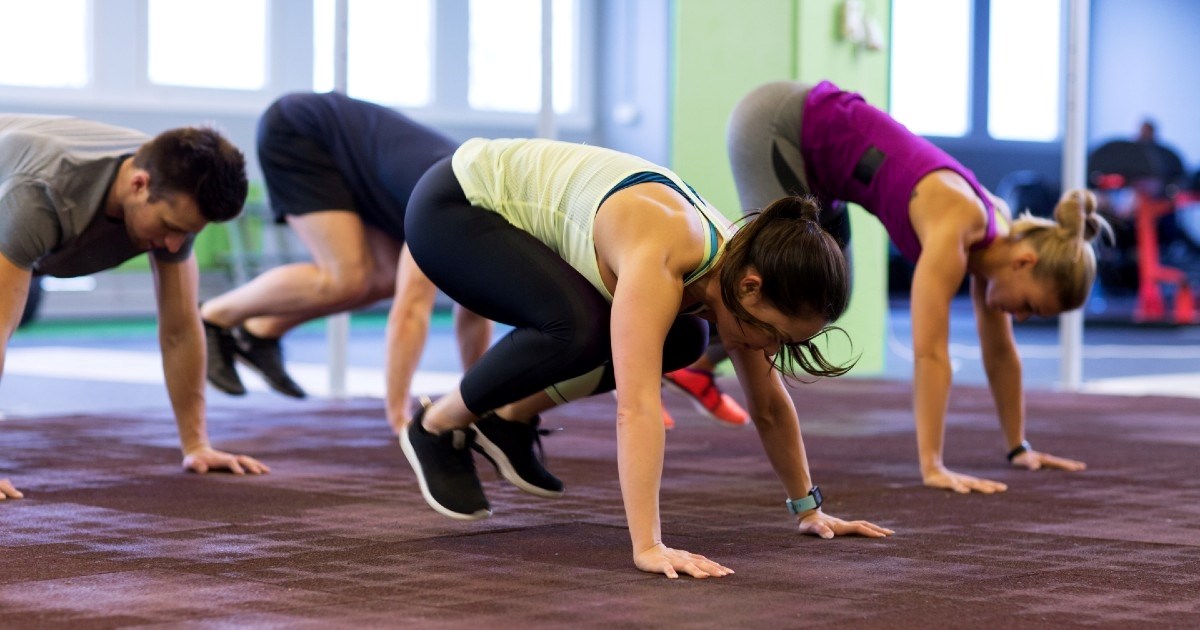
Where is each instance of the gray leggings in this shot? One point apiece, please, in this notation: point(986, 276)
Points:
point(764, 151)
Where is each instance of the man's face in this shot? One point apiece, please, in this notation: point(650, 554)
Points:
point(163, 222)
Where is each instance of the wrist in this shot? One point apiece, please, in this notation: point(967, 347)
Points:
point(192, 449)
point(1018, 450)
point(810, 502)
point(931, 465)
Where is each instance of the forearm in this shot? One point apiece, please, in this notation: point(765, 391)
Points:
point(931, 394)
point(782, 442)
point(407, 332)
point(183, 370)
point(640, 445)
point(474, 334)
point(1004, 378)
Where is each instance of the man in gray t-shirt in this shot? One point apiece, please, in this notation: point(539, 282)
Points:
point(77, 197)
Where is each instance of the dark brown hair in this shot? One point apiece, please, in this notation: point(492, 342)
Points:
point(199, 162)
point(804, 274)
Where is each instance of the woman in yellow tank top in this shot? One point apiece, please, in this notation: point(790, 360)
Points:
point(606, 266)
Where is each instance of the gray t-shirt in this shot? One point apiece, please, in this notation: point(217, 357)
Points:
point(55, 173)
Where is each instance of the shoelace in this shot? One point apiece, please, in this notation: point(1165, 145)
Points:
point(461, 441)
point(538, 432)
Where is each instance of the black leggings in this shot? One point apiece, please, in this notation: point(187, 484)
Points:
point(561, 322)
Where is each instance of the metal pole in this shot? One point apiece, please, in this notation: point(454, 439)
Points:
point(546, 127)
point(337, 326)
point(1074, 173)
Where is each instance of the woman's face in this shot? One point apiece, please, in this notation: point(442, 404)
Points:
point(1022, 295)
point(748, 336)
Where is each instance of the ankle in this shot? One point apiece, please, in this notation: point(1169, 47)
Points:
point(508, 413)
point(436, 421)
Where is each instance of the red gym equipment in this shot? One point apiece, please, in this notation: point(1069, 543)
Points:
point(1152, 173)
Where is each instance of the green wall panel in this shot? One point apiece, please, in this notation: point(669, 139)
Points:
point(724, 49)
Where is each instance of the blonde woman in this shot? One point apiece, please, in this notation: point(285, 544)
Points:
point(790, 138)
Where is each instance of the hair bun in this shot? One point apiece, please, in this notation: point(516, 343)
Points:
point(793, 207)
point(1077, 216)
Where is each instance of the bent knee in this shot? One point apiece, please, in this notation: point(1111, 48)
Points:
point(344, 286)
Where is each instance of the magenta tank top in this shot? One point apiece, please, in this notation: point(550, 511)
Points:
point(854, 152)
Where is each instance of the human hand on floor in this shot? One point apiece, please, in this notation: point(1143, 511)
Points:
point(7, 491)
point(207, 458)
point(827, 526)
point(1036, 460)
point(671, 562)
point(949, 480)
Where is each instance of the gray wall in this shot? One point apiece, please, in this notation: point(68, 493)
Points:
point(1143, 65)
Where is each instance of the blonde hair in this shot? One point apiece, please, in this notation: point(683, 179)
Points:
point(1063, 245)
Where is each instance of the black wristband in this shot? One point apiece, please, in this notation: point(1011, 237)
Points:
point(1018, 449)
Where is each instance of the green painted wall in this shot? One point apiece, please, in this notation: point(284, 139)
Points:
point(724, 49)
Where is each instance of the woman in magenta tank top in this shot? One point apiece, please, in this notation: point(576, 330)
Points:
point(791, 138)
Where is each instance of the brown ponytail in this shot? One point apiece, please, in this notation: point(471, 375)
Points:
point(804, 275)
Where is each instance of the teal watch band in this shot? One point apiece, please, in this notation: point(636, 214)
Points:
point(811, 501)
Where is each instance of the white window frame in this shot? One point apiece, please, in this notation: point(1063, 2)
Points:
point(118, 78)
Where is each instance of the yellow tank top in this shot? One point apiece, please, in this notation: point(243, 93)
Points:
point(553, 189)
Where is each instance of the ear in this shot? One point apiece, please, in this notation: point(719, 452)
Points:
point(1025, 258)
point(750, 285)
point(139, 181)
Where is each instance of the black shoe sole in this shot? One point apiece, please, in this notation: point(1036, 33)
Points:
point(226, 389)
point(411, 456)
point(298, 393)
point(496, 456)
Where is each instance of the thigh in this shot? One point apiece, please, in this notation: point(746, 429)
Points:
point(385, 255)
point(489, 266)
point(336, 239)
point(764, 144)
point(685, 343)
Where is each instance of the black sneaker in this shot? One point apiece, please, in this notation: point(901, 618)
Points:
point(509, 446)
point(445, 470)
point(221, 347)
point(265, 356)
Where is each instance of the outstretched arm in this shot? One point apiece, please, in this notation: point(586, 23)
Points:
point(181, 336)
point(647, 240)
point(407, 331)
point(775, 419)
point(644, 306)
point(939, 272)
point(1002, 364)
point(14, 290)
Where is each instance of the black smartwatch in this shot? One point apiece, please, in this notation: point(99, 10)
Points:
point(811, 501)
point(1018, 449)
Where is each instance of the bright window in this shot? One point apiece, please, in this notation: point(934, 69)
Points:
point(931, 60)
point(505, 65)
point(1024, 73)
point(389, 54)
point(211, 44)
point(44, 43)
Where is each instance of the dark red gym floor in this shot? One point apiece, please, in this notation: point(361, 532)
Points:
point(112, 533)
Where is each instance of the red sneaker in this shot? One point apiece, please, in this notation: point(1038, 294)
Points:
point(668, 421)
point(700, 386)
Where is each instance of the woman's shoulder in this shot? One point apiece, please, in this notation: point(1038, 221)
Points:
point(944, 202)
